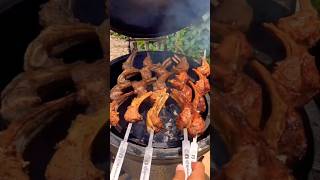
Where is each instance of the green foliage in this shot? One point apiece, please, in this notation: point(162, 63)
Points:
point(190, 41)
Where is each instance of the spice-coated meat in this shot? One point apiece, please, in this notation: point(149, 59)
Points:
point(153, 120)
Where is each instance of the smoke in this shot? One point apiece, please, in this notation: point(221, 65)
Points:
point(159, 15)
point(182, 13)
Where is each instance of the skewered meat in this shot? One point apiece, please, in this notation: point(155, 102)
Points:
point(146, 69)
point(24, 93)
point(129, 62)
point(180, 83)
point(202, 85)
point(167, 62)
point(162, 73)
point(114, 105)
point(182, 64)
point(198, 101)
point(240, 91)
point(254, 162)
point(159, 96)
point(128, 69)
point(160, 69)
point(153, 120)
point(57, 12)
point(297, 75)
point(14, 140)
point(197, 126)
point(78, 164)
point(40, 52)
point(233, 42)
point(132, 114)
point(161, 81)
point(204, 68)
point(243, 93)
point(251, 158)
point(303, 26)
point(127, 73)
point(118, 89)
point(140, 87)
point(284, 129)
point(189, 117)
point(34, 102)
point(90, 82)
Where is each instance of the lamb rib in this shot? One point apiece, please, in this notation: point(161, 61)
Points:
point(180, 83)
point(153, 120)
point(114, 105)
point(14, 140)
point(303, 26)
point(132, 114)
point(25, 91)
point(78, 164)
point(189, 117)
point(251, 157)
point(40, 50)
point(240, 91)
point(297, 75)
point(284, 129)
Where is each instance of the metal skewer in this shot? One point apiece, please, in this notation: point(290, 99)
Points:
point(116, 168)
point(145, 171)
point(194, 150)
point(186, 153)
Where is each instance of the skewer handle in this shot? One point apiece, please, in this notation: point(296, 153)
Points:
point(116, 168)
point(194, 150)
point(147, 159)
point(145, 171)
point(186, 154)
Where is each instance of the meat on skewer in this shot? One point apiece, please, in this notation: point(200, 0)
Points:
point(128, 69)
point(297, 75)
point(251, 157)
point(297, 81)
point(303, 26)
point(117, 91)
point(153, 120)
point(140, 87)
point(240, 91)
point(180, 83)
point(181, 77)
point(161, 81)
point(284, 129)
point(182, 64)
point(114, 105)
point(202, 85)
point(198, 101)
point(132, 114)
point(146, 72)
point(189, 117)
point(162, 74)
point(128, 73)
point(204, 68)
